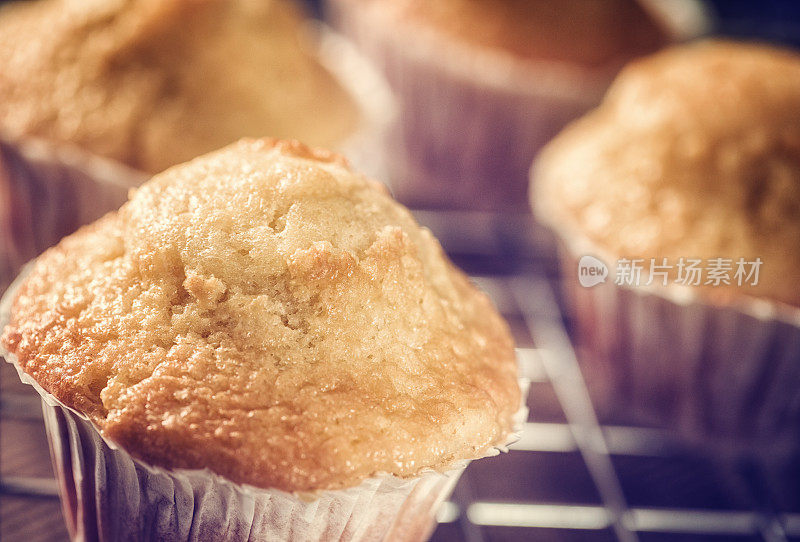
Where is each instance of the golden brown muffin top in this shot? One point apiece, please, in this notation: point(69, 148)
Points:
point(153, 83)
point(267, 313)
point(585, 32)
point(695, 152)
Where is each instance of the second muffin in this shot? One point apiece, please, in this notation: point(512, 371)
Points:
point(690, 172)
point(482, 85)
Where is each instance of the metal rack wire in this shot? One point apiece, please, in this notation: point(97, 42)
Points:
point(568, 478)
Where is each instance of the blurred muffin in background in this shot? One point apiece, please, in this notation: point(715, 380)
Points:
point(483, 84)
point(152, 83)
point(690, 170)
point(584, 33)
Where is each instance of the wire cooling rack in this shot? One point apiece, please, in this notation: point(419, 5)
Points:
point(567, 479)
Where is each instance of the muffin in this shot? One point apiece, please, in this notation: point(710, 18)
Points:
point(693, 156)
point(482, 85)
point(266, 334)
point(152, 84)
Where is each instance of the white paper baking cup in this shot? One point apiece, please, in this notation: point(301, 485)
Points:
point(472, 119)
point(721, 376)
point(109, 495)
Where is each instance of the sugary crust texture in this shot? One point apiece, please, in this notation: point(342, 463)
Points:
point(267, 313)
point(583, 32)
point(154, 83)
point(695, 152)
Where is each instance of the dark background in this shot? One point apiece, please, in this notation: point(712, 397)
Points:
point(776, 20)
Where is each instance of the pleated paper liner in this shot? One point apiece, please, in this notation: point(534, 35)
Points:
point(366, 148)
point(108, 495)
point(724, 377)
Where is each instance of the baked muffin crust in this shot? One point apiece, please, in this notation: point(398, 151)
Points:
point(154, 83)
point(267, 313)
point(695, 152)
point(583, 32)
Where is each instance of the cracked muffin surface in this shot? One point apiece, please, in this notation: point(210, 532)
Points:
point(267, 313)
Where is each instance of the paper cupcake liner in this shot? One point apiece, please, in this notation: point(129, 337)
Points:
point(47, 191)
point(109, 495)
point(723, 377)
point(472, 119)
